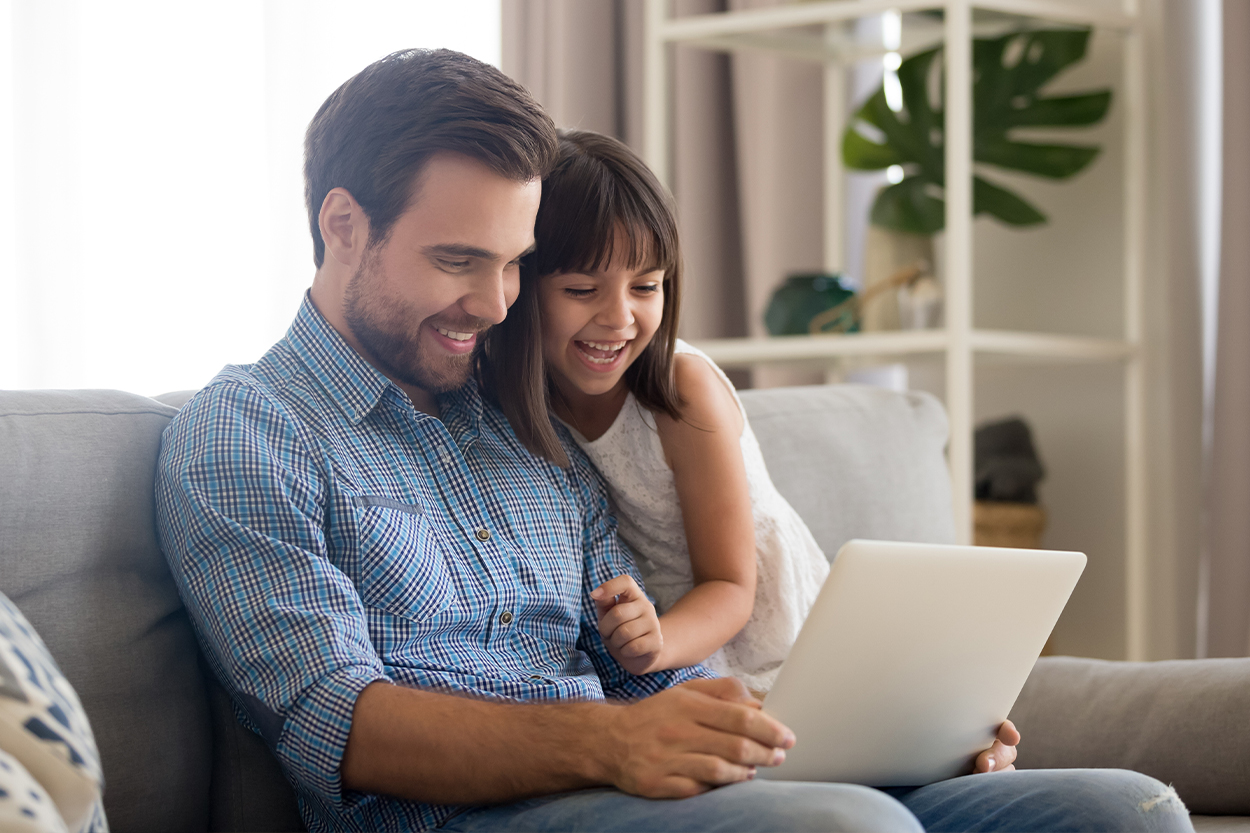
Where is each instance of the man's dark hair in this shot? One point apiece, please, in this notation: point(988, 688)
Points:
point(597, 188)
point(374, 134)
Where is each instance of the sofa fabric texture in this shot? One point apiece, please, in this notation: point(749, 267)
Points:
point(1185, 722)
point(857, 461)
point(78, 556)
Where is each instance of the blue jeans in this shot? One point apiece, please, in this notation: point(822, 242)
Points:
point(1033, 800)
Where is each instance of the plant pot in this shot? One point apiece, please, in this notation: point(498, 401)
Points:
point(800, 298)
point(886, 252)
point(1001, 524)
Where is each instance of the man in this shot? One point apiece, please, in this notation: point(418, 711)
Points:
point(394, 590)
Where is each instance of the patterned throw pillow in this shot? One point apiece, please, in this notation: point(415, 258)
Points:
point(43, 726)
point(25, 806)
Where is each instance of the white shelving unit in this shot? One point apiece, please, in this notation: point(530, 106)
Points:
point(774, 29)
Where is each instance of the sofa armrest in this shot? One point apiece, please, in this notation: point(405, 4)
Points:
point(1185, 722)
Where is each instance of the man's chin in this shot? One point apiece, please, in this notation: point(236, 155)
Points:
point(451, 375)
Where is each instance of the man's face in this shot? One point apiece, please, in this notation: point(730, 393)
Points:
point(448, 270)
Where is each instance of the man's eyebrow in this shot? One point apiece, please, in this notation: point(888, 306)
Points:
point(459, 250)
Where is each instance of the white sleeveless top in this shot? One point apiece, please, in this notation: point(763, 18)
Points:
point(790, 567)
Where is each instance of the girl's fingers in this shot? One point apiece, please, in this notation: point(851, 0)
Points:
point(631, 630)
point(626, 612)
point(623, 586)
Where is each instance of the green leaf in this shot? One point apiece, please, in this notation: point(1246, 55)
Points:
point(1020, 63)
point(907, 207)
point(1054, 161)
point(863, 154)
point(1009, 73)
point(1063, 111)
point(988, 198)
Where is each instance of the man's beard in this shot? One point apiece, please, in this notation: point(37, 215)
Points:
point(391, 336)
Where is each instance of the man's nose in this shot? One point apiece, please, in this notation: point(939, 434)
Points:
point(491, 296)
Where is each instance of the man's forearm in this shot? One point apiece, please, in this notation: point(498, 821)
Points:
point(444, 749)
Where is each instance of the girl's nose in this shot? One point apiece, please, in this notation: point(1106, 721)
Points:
point(616, 313)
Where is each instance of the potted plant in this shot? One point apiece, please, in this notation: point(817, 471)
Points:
point(1009, 73)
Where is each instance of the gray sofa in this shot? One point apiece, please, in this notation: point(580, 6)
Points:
point(78, 555)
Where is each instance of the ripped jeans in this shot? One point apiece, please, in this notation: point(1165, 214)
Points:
point(1048, 799)
point(1031, 800)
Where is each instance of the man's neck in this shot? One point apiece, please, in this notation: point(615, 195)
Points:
point(422, 399)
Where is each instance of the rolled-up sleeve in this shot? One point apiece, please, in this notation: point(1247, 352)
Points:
point(240, 500)
point(605, 557)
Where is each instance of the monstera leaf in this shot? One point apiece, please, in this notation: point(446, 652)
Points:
point(1008, 75)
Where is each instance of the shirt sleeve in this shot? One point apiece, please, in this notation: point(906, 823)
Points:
point(605, 557)
point(240, 515)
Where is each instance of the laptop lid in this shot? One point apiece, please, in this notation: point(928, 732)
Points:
point(912, 656)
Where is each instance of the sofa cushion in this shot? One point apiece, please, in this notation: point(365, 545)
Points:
point(43, 726)
point(1185, 722)
point(25, 806)
point(78, 555)
point(888, 452)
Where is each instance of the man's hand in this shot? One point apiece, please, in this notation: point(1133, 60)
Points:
point(628, 624)
point(691, 738)
point(1002, 755)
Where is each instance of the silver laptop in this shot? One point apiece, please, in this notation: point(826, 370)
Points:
point(911, 658)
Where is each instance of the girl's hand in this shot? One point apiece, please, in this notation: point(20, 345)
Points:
point(628, 624)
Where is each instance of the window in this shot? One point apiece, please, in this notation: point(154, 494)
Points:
point(152, 225)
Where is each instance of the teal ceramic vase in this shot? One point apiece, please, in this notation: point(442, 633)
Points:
point(802, 297)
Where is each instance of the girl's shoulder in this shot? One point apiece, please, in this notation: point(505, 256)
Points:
point(708, 400)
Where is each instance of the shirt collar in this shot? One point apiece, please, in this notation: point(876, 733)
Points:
point(354, 385)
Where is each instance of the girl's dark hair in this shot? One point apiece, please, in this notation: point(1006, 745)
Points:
point(597, 186)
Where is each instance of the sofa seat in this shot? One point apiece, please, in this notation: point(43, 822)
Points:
point(78, 555)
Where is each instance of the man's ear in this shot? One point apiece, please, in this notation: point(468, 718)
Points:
point(344, 227)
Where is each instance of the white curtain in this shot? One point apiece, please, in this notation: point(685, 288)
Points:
point(152, 225)
point(1224, 628)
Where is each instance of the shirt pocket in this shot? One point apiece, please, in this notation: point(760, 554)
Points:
point(402, 568)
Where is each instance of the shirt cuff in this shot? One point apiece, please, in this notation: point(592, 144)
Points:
point(314, 736)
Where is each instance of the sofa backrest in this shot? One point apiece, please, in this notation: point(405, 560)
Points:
point(857, 461)
point(78, 555)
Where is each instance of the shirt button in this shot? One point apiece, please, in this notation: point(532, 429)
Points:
point(483, 534)
point(506, 617)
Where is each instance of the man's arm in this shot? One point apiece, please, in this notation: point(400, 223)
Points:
point(439, 748)
point(240, 515)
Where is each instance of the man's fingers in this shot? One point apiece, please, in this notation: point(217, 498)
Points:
point(743, 721)
point(726, 688)
point(1008, 734)
point(714, 770)
point(998, 758)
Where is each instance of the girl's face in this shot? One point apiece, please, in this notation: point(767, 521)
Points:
point(596, 324)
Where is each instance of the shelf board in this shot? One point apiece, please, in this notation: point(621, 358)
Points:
point(747, 352)
point(715, 27)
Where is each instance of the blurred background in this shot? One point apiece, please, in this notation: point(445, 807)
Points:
point(152, 226)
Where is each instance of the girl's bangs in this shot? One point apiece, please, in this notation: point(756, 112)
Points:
point(584, 231)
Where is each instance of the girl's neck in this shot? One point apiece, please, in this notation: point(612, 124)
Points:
point(590, 414)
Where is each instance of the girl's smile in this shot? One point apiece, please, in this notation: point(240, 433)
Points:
point(596, 323)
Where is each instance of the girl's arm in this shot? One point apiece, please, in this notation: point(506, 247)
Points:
point(704, 451)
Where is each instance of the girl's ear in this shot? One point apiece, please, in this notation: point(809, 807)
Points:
point(344, 227)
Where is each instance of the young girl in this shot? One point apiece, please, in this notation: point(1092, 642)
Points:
point(732, 567)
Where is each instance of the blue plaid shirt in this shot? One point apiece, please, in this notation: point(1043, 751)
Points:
point(324, 534)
